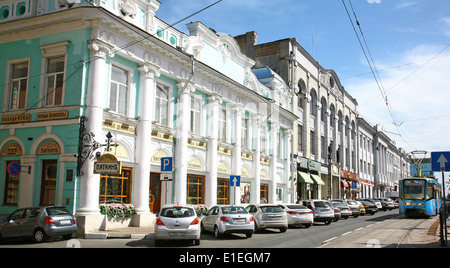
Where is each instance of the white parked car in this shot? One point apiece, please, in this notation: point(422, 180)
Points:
point(298, 215)
point(227, 219)
point(177, 222)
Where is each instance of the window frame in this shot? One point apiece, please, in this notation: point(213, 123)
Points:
point(8, 100)
point(129, 77)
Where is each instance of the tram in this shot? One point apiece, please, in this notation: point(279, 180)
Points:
point(420, 196)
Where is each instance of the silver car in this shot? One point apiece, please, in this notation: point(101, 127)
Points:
point(268, 216)
point(322, 211)
point(39, 223)
point(177, 222)
point(298, 215)
point(227, 219)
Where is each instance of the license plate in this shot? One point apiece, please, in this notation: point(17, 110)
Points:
point(238, 220)
point(176, 234)
point(65, 222)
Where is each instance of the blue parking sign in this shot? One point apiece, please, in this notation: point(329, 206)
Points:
point(166, 164)
point(440, 161)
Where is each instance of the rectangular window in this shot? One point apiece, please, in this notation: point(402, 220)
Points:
point(263, 138)
point(18, 86)
point(118, 90)
point(196, 108)
point(245, 133)
point(162, 105)
point(195, 189)
point(223, 191)
point(300, 138)
point(11, 195)
point(55, 81)
point(222, 124)
point(116, 188)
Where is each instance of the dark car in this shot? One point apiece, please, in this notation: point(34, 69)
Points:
point(370, 207)
point(38, 223)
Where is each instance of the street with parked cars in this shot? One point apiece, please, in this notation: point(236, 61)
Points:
point(183, 223)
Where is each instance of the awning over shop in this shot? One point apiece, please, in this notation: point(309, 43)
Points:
point(317, 179)
point(304, 177)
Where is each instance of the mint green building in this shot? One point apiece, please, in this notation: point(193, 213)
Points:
point(71, 68)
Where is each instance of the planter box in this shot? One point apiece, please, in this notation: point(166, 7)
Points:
point(115, 223)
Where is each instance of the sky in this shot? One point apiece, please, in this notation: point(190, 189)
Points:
point(407, 43)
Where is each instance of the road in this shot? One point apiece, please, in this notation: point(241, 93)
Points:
point(370, 228)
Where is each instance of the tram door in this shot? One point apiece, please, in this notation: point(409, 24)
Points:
point(155, 192)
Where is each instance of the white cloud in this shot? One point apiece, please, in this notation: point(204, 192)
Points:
point(374, 1)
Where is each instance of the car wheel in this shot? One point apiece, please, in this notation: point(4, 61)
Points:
point(249, 235)
point(39, 235)
point(197, 242)
point(283, 229)
point(217, 233)
point(328, 222)
point(307, 225)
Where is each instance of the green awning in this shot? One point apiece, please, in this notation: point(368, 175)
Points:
point(317, 179)
point(304, 177)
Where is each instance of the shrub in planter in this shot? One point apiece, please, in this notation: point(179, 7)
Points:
point(115, 210)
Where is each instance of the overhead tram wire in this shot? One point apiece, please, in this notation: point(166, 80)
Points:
point(373, 69)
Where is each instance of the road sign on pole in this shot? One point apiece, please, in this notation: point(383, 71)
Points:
point(235, 181)
point(166, 164)
point(440, 161)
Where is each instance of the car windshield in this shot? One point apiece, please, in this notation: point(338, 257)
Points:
point(351, 202)
point(234, 210)
point(177, 212)
point(271, 209)
point(55, 211)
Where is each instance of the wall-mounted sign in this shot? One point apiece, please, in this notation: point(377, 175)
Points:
point(12, 149)
point(13, 119)
point(49, 147)
point(107, 164)
point(52, 115)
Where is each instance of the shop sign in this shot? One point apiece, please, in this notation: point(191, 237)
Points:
point(13, 119)
point(310, 164)
point(12, 149)
point(52, 115)
point(107, 164)
point(49, 147)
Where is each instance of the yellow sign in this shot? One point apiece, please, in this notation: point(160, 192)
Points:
point(107, 164)
point(50, 147)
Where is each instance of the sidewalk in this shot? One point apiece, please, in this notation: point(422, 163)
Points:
point(123, 233)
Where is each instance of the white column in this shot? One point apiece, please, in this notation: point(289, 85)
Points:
point(182, 123)
point(90, 182)
point(235, 192)
point(143, 140)
point(273, 162)
point(212, 160)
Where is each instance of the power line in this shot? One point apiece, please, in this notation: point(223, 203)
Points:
point(373, 69)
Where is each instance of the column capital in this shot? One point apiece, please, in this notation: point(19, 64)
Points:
point(149, 70)
point(100, 49)
point(215, 98)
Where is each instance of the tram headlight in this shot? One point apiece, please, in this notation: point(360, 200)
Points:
point(421, 204)
point(407, 203)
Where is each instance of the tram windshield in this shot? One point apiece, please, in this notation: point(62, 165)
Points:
point(414, 189)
